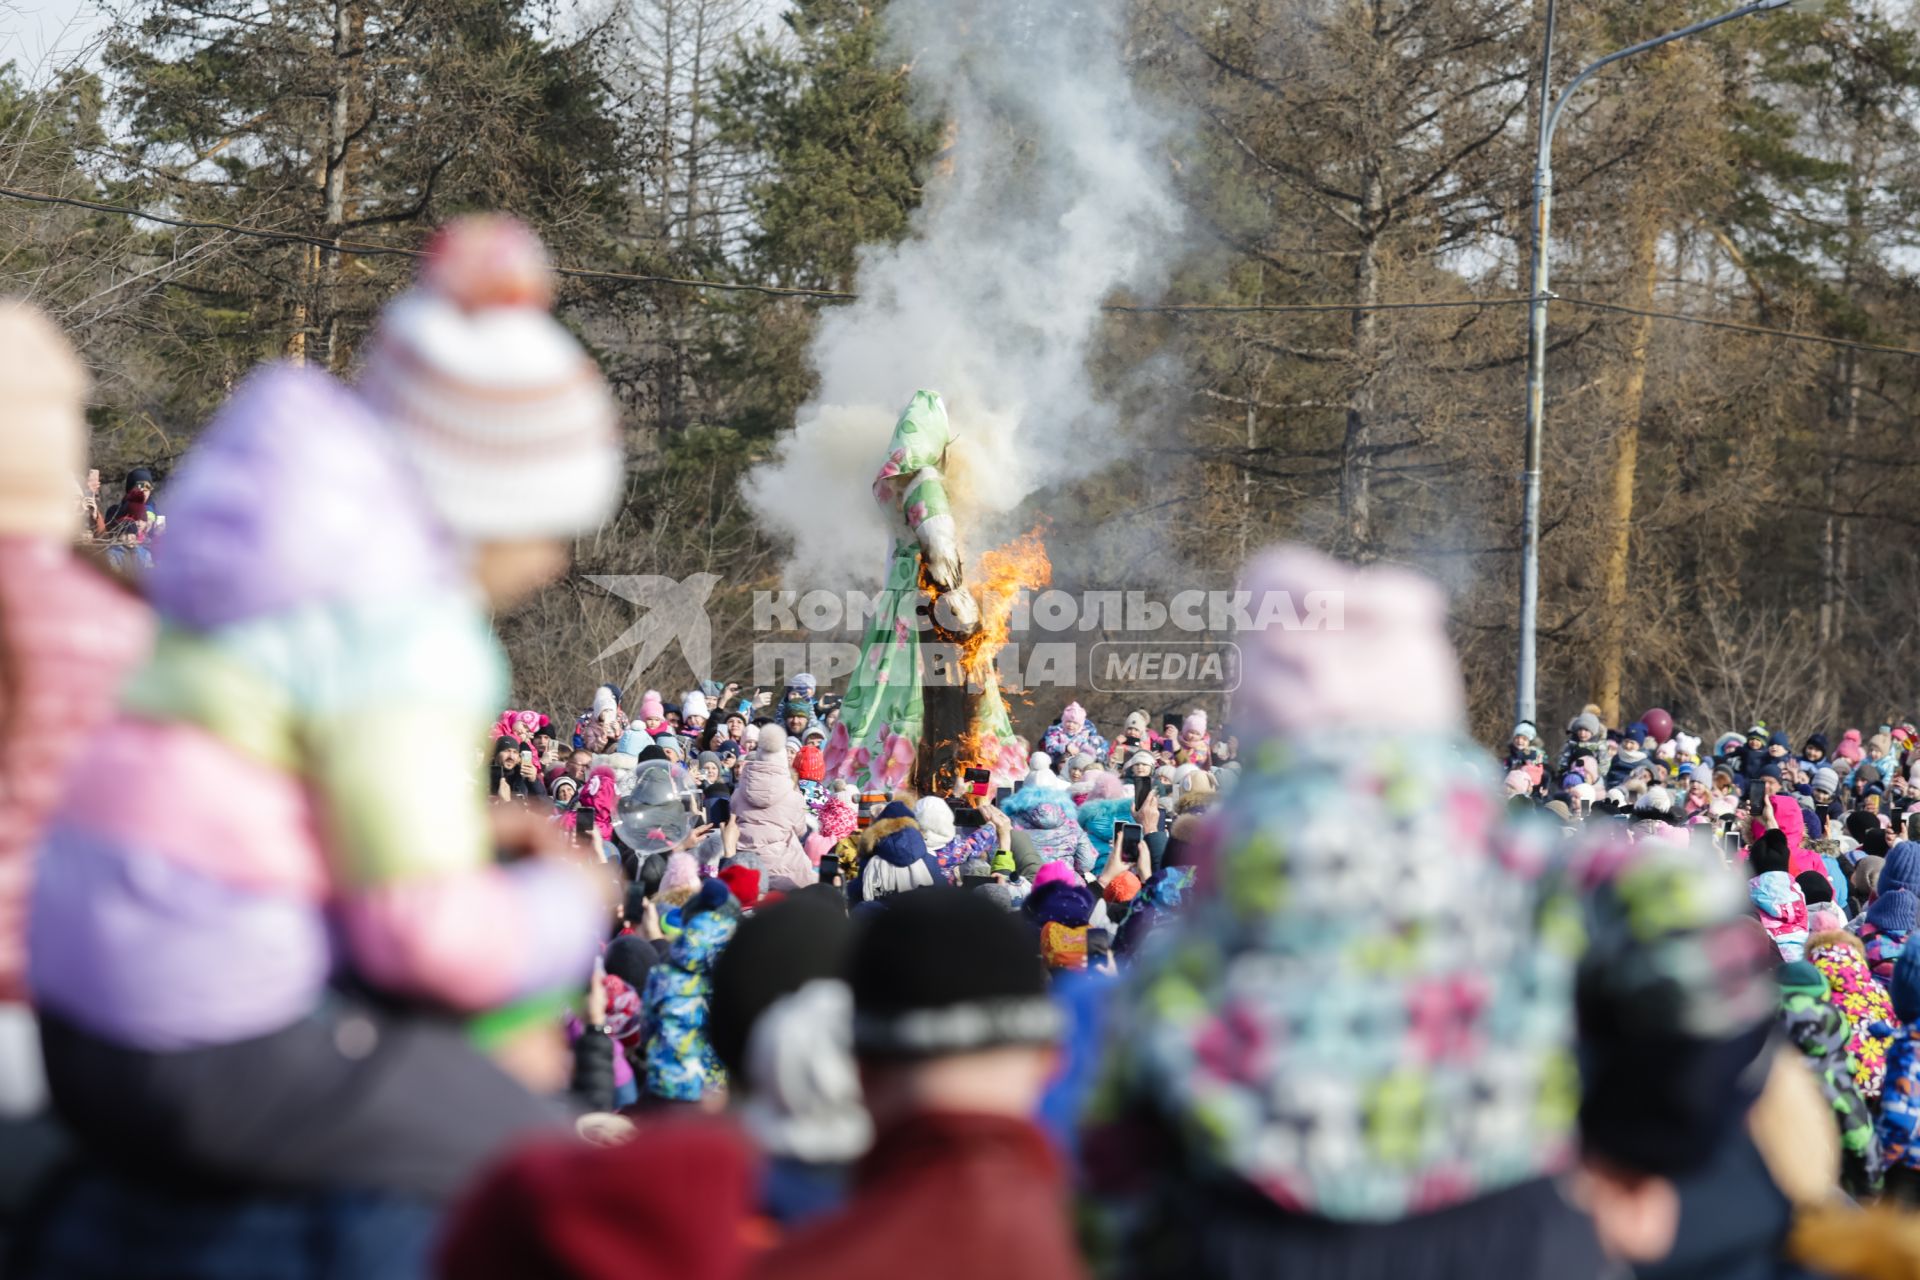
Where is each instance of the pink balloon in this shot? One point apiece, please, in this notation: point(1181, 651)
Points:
point(1658, 722)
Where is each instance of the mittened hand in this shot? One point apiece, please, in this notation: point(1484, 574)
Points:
point(958, 611)
point(940, 551)
point(943, 567)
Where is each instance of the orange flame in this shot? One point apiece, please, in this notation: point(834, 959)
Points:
point(997, 581)
point(1002, 573)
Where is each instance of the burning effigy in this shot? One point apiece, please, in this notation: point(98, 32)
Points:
point(924, 704)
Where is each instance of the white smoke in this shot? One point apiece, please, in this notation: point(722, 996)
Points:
point(1055, 192)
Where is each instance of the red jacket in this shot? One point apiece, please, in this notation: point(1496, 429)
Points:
point(943, 1196)
point(672, 1204)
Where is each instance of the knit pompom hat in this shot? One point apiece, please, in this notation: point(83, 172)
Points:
point(682, 873)
point(809, 765)
point(1369, 651)
point(837, 818)
point(772, 741)
point(694, 706)
point(1825, 917)
point(43, 434)
point(1196, 722)
point(506, 418)
point(1060, 872)
point(744, 883)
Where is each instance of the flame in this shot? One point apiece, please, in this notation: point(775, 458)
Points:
point(997, 581)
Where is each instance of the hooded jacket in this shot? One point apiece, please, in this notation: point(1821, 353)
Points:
point(1048, 817)
point(596, 730)
point(1629, 757)
point(251, 847)
point(1862, 1001)
point(1063, 741)
point(1820, 1032)
point(680, 1062)
point(1792, 822)
point(773, 819)
point(894, 859)
point(1783, 910)
point(601, 794)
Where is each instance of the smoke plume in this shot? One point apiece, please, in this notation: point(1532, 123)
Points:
point(1054, 193)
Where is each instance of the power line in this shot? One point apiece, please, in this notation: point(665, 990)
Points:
point(1735, 326)
point(364, 248)
point(1284, 308)
point(368, 249)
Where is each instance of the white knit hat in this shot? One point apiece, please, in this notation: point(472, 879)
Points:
point(42, 433)
point(693, 704)
point(508, 421)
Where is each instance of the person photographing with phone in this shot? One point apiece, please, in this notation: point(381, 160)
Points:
point(514, 775)
point(1768, 808)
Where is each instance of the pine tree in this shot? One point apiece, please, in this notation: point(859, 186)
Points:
point(842, 156)
point(363, 120)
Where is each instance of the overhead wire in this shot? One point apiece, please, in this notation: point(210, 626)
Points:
point(366, 248)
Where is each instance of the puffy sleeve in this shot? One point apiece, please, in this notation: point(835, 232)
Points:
point(409, 848)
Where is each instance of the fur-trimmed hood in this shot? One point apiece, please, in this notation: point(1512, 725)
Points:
point(895, 840)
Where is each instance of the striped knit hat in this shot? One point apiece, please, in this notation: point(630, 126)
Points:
point(42, 389)
point(507, 419)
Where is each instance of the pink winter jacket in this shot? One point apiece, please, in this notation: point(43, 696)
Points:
point(1793, 825)
point(773, 819)
point(71, 636)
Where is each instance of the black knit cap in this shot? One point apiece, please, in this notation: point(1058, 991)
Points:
point(942, 971)
point(1814, 887)
point(630, 958)
point(1770, 852)
point(774, 953)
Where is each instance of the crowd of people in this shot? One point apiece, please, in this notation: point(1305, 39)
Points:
point(306, 971)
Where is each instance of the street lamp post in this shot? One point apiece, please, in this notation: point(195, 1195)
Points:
point(1525, 708)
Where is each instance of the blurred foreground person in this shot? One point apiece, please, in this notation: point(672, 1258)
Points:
point(956, 1039)
point(684, 1198)
point(67, 636)
point(251, 951)
point(1305, 1088)
point(782, 1025)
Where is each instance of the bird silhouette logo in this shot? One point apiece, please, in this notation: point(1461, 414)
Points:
point(676, 613)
